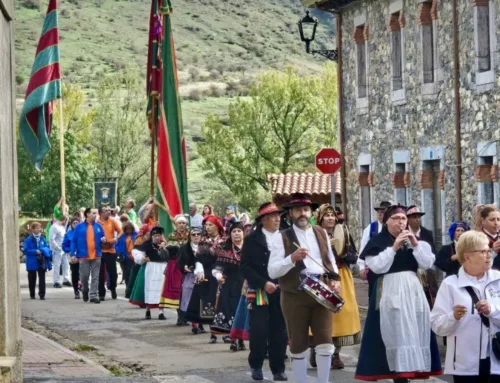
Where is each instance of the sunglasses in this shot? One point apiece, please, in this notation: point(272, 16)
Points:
point(195, 234)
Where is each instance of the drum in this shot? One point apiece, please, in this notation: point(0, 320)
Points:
point(341, 235)
point(321, 293)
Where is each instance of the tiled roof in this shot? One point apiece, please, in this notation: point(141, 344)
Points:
point(311, 183)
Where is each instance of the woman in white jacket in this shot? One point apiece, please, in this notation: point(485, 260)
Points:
point(456, 313)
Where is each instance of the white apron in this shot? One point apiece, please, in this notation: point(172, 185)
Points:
point(405, 323)
point(153, 284)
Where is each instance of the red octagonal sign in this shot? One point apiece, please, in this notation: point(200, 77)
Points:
point(328, 161)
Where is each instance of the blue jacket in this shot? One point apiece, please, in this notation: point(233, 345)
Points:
point(32, 258)
point(78, 246)
point(121, 246)
point(68, 238)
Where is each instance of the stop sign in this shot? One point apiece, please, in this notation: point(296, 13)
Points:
point(328, 161)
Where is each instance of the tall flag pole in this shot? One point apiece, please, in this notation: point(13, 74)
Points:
point(154, 79)
point(171, 195)
point(35, 123)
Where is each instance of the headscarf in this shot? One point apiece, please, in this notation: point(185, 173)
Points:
point(216, 221)
point(324, 210)
point(180, 218)
point(393, 210)
point(454, 226)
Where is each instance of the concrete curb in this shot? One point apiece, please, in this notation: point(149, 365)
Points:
point(70, 352)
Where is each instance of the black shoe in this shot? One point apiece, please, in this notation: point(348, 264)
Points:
point(85, 297)
point(57, 286)
point(113, 294)
point(148, 314)
point(233, 347)
point(77, 296)
point(67, 284)
point(257, 374)
point(95, 300)
point(102, 299)
point(213, 339)
point(312, 358)
point(42, 298)
point(226, 339)
point(162, 317)
point(195, 330)
point(280, 377)
point(202, 329)
point(241, 345)
point(32, 297)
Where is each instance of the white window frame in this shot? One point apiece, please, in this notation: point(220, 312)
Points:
point(362, 103)
point(487, 149)
point(430, 90)
point(485, 81)
point(398, 97)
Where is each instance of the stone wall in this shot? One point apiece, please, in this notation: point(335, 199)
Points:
point(420, 121)
point(10, 315)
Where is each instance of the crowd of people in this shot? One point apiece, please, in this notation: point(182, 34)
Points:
point(240, 281)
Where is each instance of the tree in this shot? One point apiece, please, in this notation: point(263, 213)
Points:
point(120, 134)
point(40, 191)
point(278, 130)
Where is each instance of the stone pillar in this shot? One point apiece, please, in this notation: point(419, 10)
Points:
point(10, 311)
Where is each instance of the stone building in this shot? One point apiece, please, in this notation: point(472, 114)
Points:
point(398, 98)
point(10, 314)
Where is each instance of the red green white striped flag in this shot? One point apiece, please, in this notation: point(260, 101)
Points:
point(35, 122)
point(172, 191)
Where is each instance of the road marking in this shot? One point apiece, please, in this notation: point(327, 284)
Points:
point(181, 379)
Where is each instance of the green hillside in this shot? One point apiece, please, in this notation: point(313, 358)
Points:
point(221, 45)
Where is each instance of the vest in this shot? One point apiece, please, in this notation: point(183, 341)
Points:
point(290, 282)
point(373, 229)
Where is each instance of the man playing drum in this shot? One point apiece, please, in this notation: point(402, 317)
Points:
point(299, 252)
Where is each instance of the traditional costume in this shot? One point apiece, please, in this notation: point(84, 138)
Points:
point(300, 310)
point(148, 285)
point(346, 324)
point(267, 325)
point(227, 272)
point(241, 323)
point(187, 260)
point(443, 259)
point(201, 307)
point(172, 285)
point(142, 236)
point(397, 340)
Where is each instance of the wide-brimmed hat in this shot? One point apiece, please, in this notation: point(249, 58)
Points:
point(300, 199)
point(383, 205)
point(413, 210)
point(267, 209)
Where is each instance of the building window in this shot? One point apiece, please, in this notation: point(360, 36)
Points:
point(427, 13)
point(365, 194)
point(399, 183)
point(395, 27)
point(360, 37)
point(485, 41)
point(484, 178)
point(361, 57)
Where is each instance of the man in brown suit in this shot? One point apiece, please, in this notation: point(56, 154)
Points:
point(297, 252)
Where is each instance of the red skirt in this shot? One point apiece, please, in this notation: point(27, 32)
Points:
point(172, 286)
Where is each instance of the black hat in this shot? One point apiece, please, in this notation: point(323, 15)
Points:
point(300, 199)
point(383, 205)
point(157, 230)
point(236, 225)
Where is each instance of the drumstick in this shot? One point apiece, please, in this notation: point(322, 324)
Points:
point(312, 259)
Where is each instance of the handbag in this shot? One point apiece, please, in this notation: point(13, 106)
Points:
point(495, 339)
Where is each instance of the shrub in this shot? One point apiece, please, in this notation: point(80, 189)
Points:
point(31, 4)
point(19, 79)
point(195, 95)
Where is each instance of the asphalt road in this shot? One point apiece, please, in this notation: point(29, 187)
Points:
point(144, 350)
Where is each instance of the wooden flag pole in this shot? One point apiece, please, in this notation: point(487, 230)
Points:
point(61, 148)
point(153, 144)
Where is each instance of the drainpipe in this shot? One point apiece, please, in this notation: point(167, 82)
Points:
point(458, 137)
point(340, 116)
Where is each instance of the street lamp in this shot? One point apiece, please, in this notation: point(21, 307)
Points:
point(307, 29)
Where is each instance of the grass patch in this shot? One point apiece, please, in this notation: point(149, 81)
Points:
point(83, 348)
point(117, 371)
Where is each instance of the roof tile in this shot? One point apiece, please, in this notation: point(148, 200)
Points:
point(310, 183)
